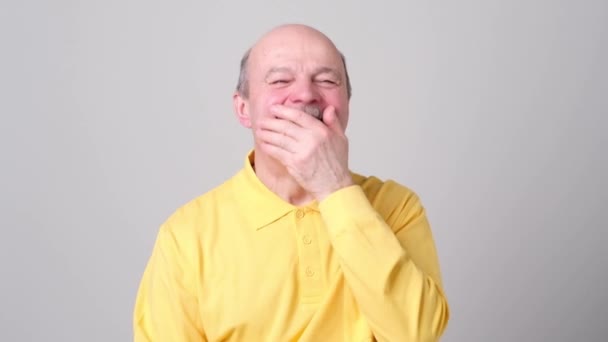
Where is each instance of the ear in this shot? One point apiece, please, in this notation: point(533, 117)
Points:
point(241, 109)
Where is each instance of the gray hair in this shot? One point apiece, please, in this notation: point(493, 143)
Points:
point(242, 85)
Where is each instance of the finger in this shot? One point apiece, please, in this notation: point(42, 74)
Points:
point(276, 152)
point(286, 127)
point(294, 115)
point(330, 118)
point(279, 140)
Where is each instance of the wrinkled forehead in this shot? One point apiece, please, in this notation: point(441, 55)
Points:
point(296, 49)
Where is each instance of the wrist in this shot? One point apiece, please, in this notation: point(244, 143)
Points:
point(346, 181)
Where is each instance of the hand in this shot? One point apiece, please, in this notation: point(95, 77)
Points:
point(314, 153)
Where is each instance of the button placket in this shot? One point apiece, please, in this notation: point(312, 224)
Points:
point(309, 255)
point(300, 214)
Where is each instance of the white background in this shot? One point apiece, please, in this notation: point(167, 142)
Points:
point(115, 113)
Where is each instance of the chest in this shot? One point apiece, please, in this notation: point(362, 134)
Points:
point(256, 280)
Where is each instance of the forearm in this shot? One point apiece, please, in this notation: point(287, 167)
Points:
point(399, 299)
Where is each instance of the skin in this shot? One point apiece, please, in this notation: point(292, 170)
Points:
point(293, 71)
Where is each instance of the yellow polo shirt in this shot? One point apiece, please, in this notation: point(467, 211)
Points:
point(240, 264)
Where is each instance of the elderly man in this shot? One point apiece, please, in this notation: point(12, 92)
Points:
point(295, 246)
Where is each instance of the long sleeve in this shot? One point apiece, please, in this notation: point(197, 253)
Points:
point(166, 307)
point(391, 269)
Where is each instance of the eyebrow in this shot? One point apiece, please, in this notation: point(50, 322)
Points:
point(320, 70)
point(277, 70)
point(327, 70)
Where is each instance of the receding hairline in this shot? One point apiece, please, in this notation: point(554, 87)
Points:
point(287, 32)
point(243, 82)
point(294, 28)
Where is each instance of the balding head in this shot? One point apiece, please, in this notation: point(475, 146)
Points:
point(282, 36)
point(295, 66)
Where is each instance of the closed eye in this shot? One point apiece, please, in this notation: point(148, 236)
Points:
point(279, 82)
point(327, 82)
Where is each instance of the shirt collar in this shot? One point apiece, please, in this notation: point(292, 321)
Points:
point(260, 205)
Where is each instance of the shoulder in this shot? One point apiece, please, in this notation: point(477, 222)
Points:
point(377, 189)
point(394, 201)
point(190, 217)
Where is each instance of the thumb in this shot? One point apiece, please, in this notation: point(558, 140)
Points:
point(330, 118)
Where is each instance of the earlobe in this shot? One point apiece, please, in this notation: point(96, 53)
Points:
point(241, 109)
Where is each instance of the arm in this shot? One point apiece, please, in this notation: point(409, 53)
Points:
point(393, 275)
point(166, 307)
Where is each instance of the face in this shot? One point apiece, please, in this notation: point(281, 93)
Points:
point(296, 68)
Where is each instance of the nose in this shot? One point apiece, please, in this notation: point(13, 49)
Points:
point(304, 92)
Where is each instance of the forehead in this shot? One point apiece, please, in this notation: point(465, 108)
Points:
point(294, 50)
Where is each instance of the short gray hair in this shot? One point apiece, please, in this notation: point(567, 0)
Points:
point(242, 86)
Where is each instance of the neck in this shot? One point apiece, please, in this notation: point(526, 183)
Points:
point(276, 178)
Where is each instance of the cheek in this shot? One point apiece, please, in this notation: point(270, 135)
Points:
point(278, 96)
point(264, 103)
point(338, 101)
point(261, 107)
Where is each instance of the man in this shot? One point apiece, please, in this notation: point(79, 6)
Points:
point(294, 247)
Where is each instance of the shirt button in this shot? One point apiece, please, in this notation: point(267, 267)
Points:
point(309, 272)
point(299, 214)
point(306, 239)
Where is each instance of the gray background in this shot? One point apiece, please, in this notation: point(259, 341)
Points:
point(114, 113)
